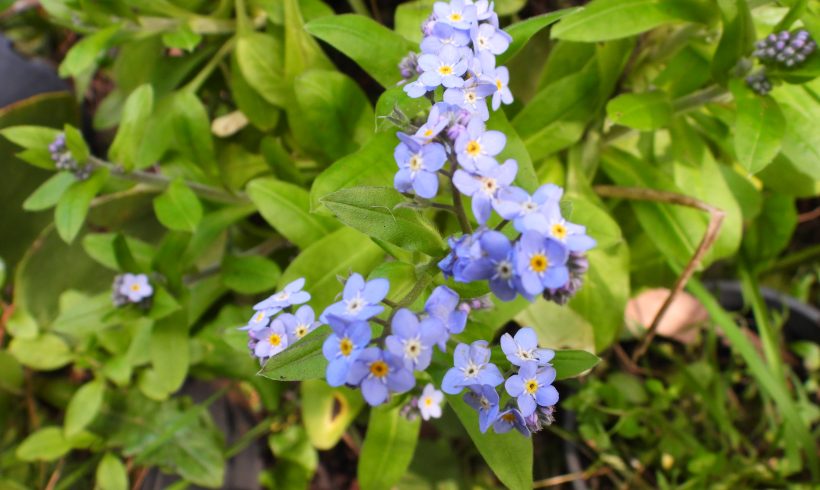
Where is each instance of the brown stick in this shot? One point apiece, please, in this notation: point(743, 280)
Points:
point(569, 477)
point(715, 221)
point(55, 477)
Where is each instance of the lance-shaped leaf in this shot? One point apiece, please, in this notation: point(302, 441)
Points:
point(301, 361)
point(388, 448)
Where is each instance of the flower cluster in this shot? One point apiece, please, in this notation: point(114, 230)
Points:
point(547, 258)
point(530, 386)
point(63, 160)
point(759, 82)
point(132, 289)
point(273, 328)
point(785, 48)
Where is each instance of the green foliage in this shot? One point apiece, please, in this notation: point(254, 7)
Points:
point(388, 448)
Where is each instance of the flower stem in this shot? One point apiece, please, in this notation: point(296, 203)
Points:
point(458, 205)
point(206, 71)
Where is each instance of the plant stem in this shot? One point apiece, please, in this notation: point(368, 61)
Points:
point(768, 337)
point(248, 437)
point(200, 78)
point(458, 205)
point(159, 181)
point(500, 226)
point(699, 98)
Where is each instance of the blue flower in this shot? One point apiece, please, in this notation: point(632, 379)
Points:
point(342, 347)
point(135, 287)
point(502, 92)
point(496, 265)
point(458, 13)
point(443, 306)
point(444, 68)
point(418, 165)
point(291, 295)
point(412, 340)
point(484, 184)
point(260, 319)
point(430, 402)
point(484, 399)
point(471, 97)
point(416, 89)
point(484, 11)
point(478, 145)
point(532, 387)
point(379, 373)
point(437, 120)
point(299, 324)
point(523, 348)
point(360, 299)
point(271, 340)
point(444, 35)
point(528, 213)
point(540, 263)
point(486, 37)
point(573, 236)
point(464, 250)
point(511, 419)
point(472, 367)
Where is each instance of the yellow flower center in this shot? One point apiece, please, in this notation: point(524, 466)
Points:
point(259, 317)
point(508, 417)
point(539, 262)
point(498, 84)
point(428, 133)
point(559, 231)
point(415, 163)
point(428, 401)
point(135, 287)
point(473, 148)
point(455, 16)
point(345, 346)
point(531, 386)
point(275, 339)
point(379, 369)
point(445, 70)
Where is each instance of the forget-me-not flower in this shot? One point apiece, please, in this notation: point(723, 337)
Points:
point(443, 306)
point(412, 340)
point(502, 93)
point(484, 184)
point(532, 387)
point(524, 348)
point(360, 299)
point(472, 367)
point(458, 13)
point(271, 340)
point(343, 346)
point(291, 295)
point(444, 68)
point(509, 419)
point(444, 35)
point(300, 323)
point(540, 263)
point(429, 402)
point(496, 265)
point(484, 399)
point(486, 37)
point(418, 165)
point(476, 144)
point(135, 287)
point(379, 373)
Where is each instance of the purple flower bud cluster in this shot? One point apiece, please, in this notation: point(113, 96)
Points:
point(132, 289)
point(759, 83)
point(530, 383)
point(548, 257)
point(270, 331)
point(63, 160)
point(785, 48)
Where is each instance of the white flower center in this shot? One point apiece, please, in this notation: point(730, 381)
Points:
point(415, 162)
point(527, 355)
point(470, 97)
point(355, 305)
point(482, 41)
point(528, 207)
point(489, 185)
point(412, 348)
point(504, 269)
point(282, 296)
point(484, 402)
point(471, 370)
point(300, 330)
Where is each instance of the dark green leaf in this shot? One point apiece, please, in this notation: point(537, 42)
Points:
point(300, 361)
point(259, 111)
point(287, 208)
point(387, 449)
point(72, 207)
point(737, 38)
point(31, 137)
point(377, 211)
point(76, 144)
point(169, 352)
point(377, 49)
point(178, 207)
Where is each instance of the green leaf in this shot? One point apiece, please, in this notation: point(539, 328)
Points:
point(302, 52)
point(83, 55)
point(339, 253)
point(31, 137)
point(516, 150)
point(331, 116)
point(644, 111)
point(378, 212)
point(111, 474)
point(409, 18)
point(327, 412)
point(101, 247)
point(801, 141)
point(11, 374)
point(72, 207)
point(83, 407)
point(47, 444)
point(259, 111)
point(183, 37)
point(377, 49)
point(602, 20)
point(571, 363)
point(178, 207)
point(522, 31)
point(251, 274)
point(286, 207)
point(301, 361)
point(76, 144)
point(49, 192)
point(190, 131)
point(387, 449)
point(508, 455)
point(737, 39)
point(169, 352)
point(372, 165)
point(259, 58)
point(127, 148)
point(766, 237)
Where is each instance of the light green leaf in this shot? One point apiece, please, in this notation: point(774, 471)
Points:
point(251, 274)
point(31, 137)
point(516, 150)
point(183, 37)
point(387, 449)
point(339, 253)
point(508, 455)
point(522, 31)
point(49, 192)
point(101, 248)
point(76, 144)
point(259, 111)
point(372, 165)
point(169, 352)
point(178, 208)
point(47, 444)
point(287, 208)
point(643, 111)
point(83, 407)
point(801, 141)
point(190, 131)
point(377, 212)
point(377, 49)
point(602, 20)
point(302, 52)
point(409, 18)
point(128, 146)
point(301, 361)
point(72, 207)
point(111, 474)
point(571, 363)
point(327, 412)
point(737, 38)
point(259, 58)
point(83, 55)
